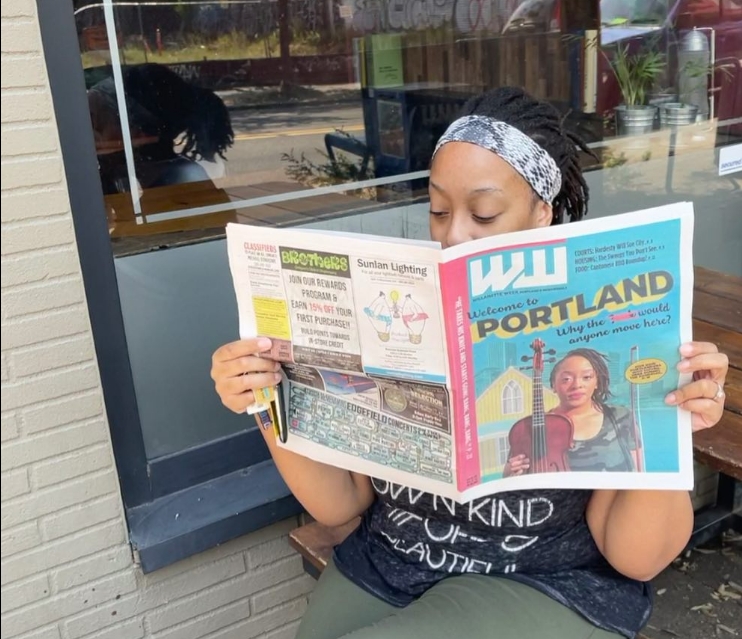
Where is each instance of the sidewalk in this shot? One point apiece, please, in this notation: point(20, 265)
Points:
point(700, 595)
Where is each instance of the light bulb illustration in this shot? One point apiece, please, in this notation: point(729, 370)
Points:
point(380, 316)
point(394, 297)
point(414, 318)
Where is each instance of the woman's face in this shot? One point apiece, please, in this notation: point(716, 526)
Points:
point(575, 382)
point(474, 194)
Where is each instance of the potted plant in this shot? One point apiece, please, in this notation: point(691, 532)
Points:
point(636, 74)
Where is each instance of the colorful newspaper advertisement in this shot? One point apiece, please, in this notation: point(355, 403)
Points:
point(537, 359)
point(360, 333)
point(566, 344)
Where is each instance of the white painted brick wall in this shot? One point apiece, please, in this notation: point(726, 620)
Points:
point(67, 569)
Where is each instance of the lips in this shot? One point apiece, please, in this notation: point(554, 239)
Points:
point(576, 396)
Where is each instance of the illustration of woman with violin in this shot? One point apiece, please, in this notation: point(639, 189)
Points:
point(592, 434)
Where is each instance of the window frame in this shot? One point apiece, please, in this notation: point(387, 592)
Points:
point(243, 487)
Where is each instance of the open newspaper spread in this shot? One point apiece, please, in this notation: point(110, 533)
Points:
point(433, 368)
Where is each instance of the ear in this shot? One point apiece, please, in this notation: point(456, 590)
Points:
point(542, 213)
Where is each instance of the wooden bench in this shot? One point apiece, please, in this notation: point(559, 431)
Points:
point(717, 317)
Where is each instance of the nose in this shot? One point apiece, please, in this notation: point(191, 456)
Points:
point(458, 230)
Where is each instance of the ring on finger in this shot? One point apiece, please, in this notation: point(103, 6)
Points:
point(719, 392)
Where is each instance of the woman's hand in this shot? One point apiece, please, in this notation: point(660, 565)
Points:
point(237, 370)
point(516, 466)
point(704, 396)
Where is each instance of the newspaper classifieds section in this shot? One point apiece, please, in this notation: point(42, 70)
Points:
point(395, 424)
point(399, 317)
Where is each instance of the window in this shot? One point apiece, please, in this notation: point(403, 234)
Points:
point(179, 116)
point(512, 398)
point(503, 449)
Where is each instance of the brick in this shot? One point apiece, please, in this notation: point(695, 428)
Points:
point(94, 567)
point(50, 632)
point(23, 106)
point(108, 616)
point(46, 296)
point(99, 511)
point(205, 576)
point(61, 412)
point(19, 37)
point(266, 599)
point(48, 556)
point(22, 72)
point(285, 632)
point(9, 428)
point(132, 629)
point(16, 540)
point(33, 330)
point(201, 603)
point(67, 604)
point(28, 140)
point(39, 266)
point(32, 171)
point(258, 625)
point(77, 464)
point(69, 381)
point(14, 484)
point(25, 593)
point(43, 502)
point(5, 369)
point(269, 552)
point(52, 444)
point(29, 331)
point(18, 206)
point(51, 356)
point(17, 9)
point(39, 234)
point(226, 616)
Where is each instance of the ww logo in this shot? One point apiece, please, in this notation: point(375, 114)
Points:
point(528, 269)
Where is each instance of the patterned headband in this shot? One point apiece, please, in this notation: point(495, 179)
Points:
point(533, 163)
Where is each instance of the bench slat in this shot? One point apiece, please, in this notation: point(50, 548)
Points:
point(721, 447)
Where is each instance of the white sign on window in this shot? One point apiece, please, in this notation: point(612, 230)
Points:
point(730, 159)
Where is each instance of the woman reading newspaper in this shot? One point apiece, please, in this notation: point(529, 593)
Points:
point(420, 566)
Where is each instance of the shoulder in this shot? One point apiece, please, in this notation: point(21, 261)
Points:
point(621, 414)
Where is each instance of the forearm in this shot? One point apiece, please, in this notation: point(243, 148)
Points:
point(640, 532)
point(331, 495)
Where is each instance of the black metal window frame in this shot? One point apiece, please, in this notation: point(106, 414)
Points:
point(183, 503)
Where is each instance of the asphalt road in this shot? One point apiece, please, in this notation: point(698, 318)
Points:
point(262, 136)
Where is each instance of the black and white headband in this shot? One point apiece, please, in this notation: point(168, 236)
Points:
point(533, 163)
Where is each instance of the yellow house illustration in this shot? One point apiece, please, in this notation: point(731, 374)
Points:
point(506, 400)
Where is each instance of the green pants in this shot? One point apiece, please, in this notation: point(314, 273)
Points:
point(460, 607)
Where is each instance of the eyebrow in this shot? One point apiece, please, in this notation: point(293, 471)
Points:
point(483, 189)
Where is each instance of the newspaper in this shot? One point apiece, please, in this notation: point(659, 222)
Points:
point(536, 359)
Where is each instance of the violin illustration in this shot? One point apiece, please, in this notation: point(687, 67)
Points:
point(543, 437)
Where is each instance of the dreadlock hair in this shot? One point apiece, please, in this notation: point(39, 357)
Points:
point(172, 107)
point(543, 124)
point(599, 364)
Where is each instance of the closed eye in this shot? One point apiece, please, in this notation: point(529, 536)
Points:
point(485, 219)
point(438, 213)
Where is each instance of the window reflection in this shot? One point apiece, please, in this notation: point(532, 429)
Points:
point(243, 99)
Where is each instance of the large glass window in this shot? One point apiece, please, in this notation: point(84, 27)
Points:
point(325, 113)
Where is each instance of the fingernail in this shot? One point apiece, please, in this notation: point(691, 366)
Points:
point(683, 364)
point(277, 377)
point(670, 399)
point(264, 343)
point(686, 349)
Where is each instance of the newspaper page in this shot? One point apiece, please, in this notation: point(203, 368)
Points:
point(563, 344)
point(358, 325)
